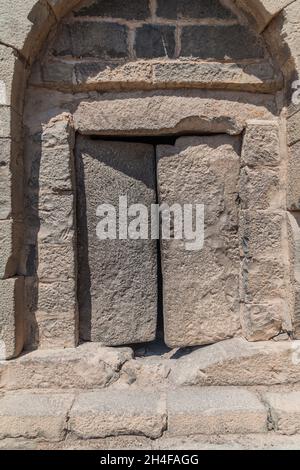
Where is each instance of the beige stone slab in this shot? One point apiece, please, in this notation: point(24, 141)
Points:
point(30, 415)
point(200, 287)
point(215, 410)
point(113, 413)
point(117, 278)
point(285, 411)
point(11, 317)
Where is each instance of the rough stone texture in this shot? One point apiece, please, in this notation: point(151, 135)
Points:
point(293, 128)
point(12, 79)
point(115, 413)
point(294, 253)
point(215, 411)
point(11, 173)
point(285, 411)
point(193, 9)
point(261, 188)
point(88, 366)
point(220, 42)
point(56, 170)
point(261, 146)
point(238, 362)
point(117, 278)
point(8, 251)
point(164, 112)
point(155, 41)
point(11, 317)
point(196, 283)
point(105, 40)
point(30, 416)
point(30, 21)
point(293, 190)
point(262, 321)
point(134, 10)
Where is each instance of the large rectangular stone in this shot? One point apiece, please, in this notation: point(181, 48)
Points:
point(261, 144)
point(220, 42)
point(285, 411)
point(34, 416)
point(117, 278)
point(262, 188)
point(293, 189)
point(11, 180)
point(173, 9)
point(133, 10)
point(201, 170)
point(118, 412)
point(215, 410)
point(155, 41)
point(264, 321)
point(12, 79)
point(56, 215)
point(11, 317)
point(105, 40)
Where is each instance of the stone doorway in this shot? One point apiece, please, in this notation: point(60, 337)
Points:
point(120, 294)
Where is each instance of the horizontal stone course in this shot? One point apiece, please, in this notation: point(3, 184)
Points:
point(215, 411)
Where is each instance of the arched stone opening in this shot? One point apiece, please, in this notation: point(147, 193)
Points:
point(185, 123)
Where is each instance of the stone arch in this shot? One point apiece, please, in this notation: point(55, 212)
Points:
point(31, 21)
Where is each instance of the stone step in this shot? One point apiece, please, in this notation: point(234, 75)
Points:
point(91, 366)
point(133, 412)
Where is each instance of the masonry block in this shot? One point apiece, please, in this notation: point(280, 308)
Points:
point(261, 145)
point(12, 314)
point(155, 41)
point(173, 9)
point(133, 10)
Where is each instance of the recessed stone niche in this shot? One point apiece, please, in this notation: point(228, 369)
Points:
point(165, 102)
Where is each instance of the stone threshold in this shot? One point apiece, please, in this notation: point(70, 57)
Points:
point(180, 413)
point(234, 362)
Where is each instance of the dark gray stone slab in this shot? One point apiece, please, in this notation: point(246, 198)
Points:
point(117, 278)
point(192, 9)
point(130, 10)
point(220, 42)
point(200, 288)
point(155, 41)
point(91, 39)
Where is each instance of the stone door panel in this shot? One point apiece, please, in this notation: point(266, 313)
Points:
point(201, 288)
point(117, 281)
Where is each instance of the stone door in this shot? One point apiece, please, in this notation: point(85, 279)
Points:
point(117, 282)
point(201, 288)
point(118, 294)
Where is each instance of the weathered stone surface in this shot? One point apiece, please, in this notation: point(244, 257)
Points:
point(263, 10)
point(262, 321)
point(10, 123)
point(220, 42)
point(261, 188)
point(30, 21)
point(105, 40)
point(293, 128)
point(192, 9)
point(163, 112)
point(134, 10)
point(285, 411)
point(238, 362)
point(8, 249)
point(293, 189)
point(261, 234)
point(88, 366)
point(215, 411)
point(56, 170)
point(56, 213)
point(261, 145)
point(12, 79)
point(11, 180)
point(57, 329)
point(196, 283)
point(117, 278)
point(114, 413)
point(56, 262)
point(155, 41)
point(11, 317)
point(31, 415)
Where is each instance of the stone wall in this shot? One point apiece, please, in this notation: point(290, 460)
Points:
point(31, 22)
